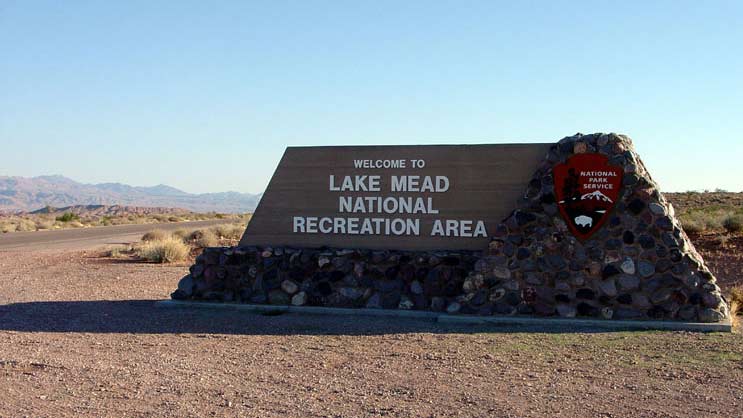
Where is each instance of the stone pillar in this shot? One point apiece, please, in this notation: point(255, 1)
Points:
point(637, 264)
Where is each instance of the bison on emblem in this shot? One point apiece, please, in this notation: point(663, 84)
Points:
point(584, 221)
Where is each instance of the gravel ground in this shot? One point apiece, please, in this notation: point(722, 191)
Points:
point(80, 336)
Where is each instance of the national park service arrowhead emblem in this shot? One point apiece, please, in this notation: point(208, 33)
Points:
point(587, 188)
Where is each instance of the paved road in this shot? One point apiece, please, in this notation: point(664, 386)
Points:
point(84, 238)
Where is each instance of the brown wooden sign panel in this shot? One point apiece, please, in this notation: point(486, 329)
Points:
point(423, 197)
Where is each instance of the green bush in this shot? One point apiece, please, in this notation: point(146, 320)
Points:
point(67, 217)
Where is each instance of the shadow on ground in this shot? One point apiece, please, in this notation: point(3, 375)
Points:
point(144, 317)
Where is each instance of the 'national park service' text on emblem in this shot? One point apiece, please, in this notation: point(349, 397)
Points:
point(586, 188)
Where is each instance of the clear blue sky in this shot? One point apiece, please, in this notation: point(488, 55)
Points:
point(204, 96)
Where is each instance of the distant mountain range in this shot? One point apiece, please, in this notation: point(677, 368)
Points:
point(29, 194)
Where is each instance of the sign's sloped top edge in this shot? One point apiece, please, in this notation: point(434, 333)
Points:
point(505, 145)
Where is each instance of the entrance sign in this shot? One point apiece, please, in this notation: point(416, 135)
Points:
point(436, 197)
point(587, 188)
point(467, 229)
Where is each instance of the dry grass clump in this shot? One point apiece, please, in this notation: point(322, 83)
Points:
point(696, 222)
point(119, 251)
point(155, 235)
point(712, 219)
point(17, 225)
point(164, 247)
point(692, 226)
point(43, 224)
point(7, 227)
point(229, 231)
point(181, 234)
point(736, 298)
point(199, 238)
point(168, 250)
point(203, 238)
point(26, 225)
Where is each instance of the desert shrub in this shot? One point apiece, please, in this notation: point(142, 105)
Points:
point(736, 305)
point(168, 250)
point(68, 217)
point(733, 223)
point(75, 224)
point(155, 235)
point(26, 225)
point(712, 221)
point(229, 231)
point(692, 225)
point(736, 299)
point(207, 239)
point(7, 227)
point(204, 238)
point(195, 234)
point(44, 224)
point(703, 220)
point(181, 234)
point(118, 251)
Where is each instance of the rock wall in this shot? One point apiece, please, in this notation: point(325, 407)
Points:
point(636, 264)
point(337, 278)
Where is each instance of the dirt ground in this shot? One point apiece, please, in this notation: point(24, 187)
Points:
point(80, 336)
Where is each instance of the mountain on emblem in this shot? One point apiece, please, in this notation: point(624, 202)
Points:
point(597, 195)
point(586, 187)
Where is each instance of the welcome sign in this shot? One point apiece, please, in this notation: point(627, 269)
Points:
point(444, 197)
point(577, 228)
